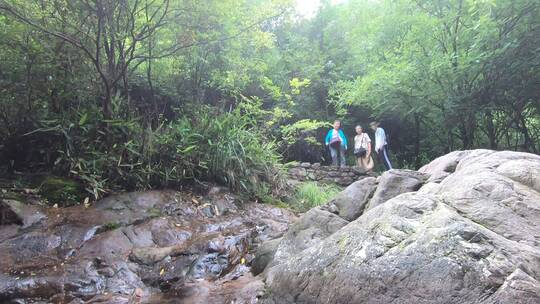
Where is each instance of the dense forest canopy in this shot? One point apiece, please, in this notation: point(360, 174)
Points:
point(136, 94)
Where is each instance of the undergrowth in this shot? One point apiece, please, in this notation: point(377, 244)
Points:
point(198, 144)
point(311, 194)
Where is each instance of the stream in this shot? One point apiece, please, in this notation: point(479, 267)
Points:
point(138, 247)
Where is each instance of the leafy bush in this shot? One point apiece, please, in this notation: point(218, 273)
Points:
point(228, 148)
point(311, 194)
point(201, 144)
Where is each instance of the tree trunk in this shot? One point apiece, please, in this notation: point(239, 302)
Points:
point(491, 130)
point(106, 102)
point(417, 121)
point(522, 126)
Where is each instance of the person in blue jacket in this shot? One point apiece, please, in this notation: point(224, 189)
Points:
point(336, 141)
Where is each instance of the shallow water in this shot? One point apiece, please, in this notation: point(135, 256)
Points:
point(143, 247)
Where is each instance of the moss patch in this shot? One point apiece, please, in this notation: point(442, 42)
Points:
point(154, 212)
point(108, 227)
point(61, 191)
point(12, 195)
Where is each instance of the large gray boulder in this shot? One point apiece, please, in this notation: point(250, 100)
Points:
point(443, 166)
point(473, 238)
point(395, 182)
point(316, 224)
point(308, 230)
point(498, 192)
point(351, 202)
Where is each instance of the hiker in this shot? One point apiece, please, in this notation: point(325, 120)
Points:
point(337, 142)
point(362, 150)
point(381, 144)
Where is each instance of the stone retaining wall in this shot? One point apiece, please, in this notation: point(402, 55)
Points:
point(327, 174)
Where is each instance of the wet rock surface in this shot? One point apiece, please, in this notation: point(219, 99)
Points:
point(466, 229)
point(146, 247)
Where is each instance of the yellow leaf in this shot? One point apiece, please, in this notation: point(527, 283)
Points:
point(162, 271)
point(242, 261)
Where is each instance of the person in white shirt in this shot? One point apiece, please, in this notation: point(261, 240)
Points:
point(362, 150)
point(381, 145)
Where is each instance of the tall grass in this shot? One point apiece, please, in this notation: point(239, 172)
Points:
point(200, 144)
point(311, 194)
point(231, 148)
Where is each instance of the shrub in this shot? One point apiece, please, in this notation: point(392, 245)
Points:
point(200, 144)
point(229, 148)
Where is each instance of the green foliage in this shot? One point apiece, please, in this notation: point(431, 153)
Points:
point(216, 90)
point(291, 133)
point(311, 194)
point(227, 147)
point(201, 144)
point(296, 84)
point(436, 71)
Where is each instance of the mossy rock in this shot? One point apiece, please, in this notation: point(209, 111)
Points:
point(108, 226)
point(62, 191)
point(12, 195)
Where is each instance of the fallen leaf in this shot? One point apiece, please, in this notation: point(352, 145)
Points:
point(55, 206)
point(196, 202)
point(242, 261)
point(162, 271)
point(86, 202)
